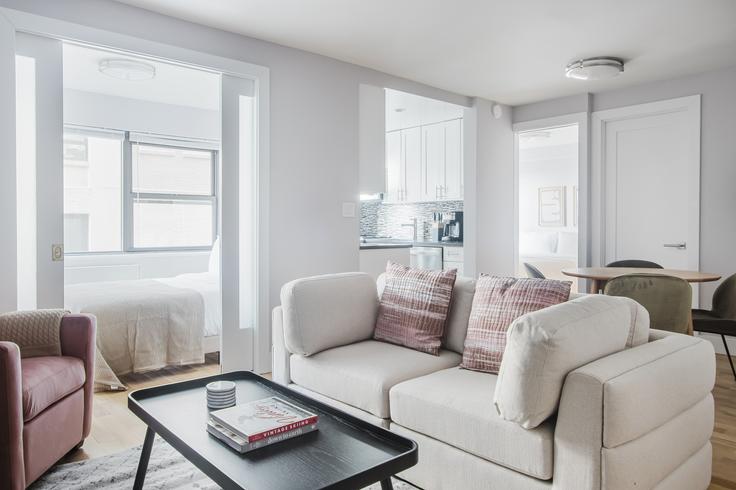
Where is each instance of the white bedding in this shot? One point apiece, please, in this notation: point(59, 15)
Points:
point(207, 285)
point(150, 323)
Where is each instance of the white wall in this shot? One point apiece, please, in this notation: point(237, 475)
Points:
point(121, 113)
point(314, 130)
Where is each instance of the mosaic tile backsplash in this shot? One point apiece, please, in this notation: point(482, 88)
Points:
point(380, 219)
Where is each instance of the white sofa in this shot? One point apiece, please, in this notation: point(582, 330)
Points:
point(637, 418)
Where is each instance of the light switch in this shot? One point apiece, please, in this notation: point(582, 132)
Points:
point(348, 210)
point(57, 252)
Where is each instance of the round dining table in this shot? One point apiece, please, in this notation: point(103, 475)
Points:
point(599, 275)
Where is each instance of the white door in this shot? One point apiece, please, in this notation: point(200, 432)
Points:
point(240, 215)
point(453, 159)
point(434, 161)
point(393, 165)
point(649, 165)
point(412, 164)
point(8, 246)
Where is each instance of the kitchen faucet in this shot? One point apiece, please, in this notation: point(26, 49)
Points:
point(414, 226)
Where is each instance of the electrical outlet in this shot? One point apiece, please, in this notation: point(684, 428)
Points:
point(57, 252)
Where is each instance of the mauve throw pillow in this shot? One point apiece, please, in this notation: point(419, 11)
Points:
point(498, 301)
point(414, 307)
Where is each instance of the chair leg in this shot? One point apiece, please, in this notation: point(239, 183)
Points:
point(728, 354)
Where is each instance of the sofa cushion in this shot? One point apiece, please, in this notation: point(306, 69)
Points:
point(414, 306)
point(457, 319)
point(46, 380)
point(362, 374)
point(454, 406)
point(544, 346)
point(328, 311)
point(497, 302)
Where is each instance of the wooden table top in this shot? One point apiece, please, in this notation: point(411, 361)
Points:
point(606, 273)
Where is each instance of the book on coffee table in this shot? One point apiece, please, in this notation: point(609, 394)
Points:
point(270, 420)
point(239, 443)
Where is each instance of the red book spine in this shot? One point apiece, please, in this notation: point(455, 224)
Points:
point(282, 429)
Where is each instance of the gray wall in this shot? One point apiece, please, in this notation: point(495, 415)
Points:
point(314, 129)
point(718, 153)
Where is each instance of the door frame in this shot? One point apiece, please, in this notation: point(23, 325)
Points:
point(691, 106)
point(260, 75)
point(581, 119)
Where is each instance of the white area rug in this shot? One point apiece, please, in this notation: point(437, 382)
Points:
point(167, 469)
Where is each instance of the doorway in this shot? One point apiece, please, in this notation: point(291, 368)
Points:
point(548, 201)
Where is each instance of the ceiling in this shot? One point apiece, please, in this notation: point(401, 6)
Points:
point(172, 84)
point(512, 52)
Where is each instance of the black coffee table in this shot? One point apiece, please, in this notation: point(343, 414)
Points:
point(345, 452)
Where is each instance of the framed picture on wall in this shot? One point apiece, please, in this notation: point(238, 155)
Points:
point(552, 206)
point(575, 206)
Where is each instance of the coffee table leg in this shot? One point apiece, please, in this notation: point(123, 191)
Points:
point(386, 484)
point(140, 475)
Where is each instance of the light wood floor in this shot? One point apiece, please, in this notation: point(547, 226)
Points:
point(115, 428)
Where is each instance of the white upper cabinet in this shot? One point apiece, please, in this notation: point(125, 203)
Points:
point(425, 163)
point(453, 186)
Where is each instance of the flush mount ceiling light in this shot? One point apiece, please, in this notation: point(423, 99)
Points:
point(130, 70)
point(594, 68)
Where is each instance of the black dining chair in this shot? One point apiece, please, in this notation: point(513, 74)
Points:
point(533, 272)
point(635, 263)
point(721, 318)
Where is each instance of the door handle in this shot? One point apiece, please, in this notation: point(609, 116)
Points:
point(679, 246)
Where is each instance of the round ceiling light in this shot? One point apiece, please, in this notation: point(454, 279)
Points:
point(130, 70)
point(594, 68)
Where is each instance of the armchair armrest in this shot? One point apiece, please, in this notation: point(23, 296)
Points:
point(78, 337)
point(12, 472)
point(620, 411)
point(328, 311)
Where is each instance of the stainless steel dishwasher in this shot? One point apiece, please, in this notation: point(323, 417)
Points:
point(427, 258)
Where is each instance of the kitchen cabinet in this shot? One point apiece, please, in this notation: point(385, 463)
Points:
point(404, 165)
point(453, 258)
point(373, 261)
point(425, 163)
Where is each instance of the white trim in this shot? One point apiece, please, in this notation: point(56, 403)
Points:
point(581, 119)
point(260, 75)
point(690, 105)
point(8, 181)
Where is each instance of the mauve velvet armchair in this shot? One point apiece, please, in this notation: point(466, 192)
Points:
point(45, 403)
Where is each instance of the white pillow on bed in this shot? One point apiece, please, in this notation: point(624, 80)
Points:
point(214, 265)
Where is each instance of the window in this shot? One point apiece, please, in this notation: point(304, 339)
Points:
point(173, 196)
point(92, 191)
point(122, 193)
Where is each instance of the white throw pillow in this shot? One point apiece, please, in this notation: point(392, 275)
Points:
point(214, 264)
point(544, 346)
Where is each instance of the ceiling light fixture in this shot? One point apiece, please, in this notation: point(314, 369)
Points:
point(598, 68)
point(130, 70)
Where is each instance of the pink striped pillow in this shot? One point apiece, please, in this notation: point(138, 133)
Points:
point(498, 301)
point(414, 307)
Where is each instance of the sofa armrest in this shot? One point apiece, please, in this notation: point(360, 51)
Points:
point(280, 354)
point(78, 337)
point(617, 412)
point(328, 311)
point(12, 473)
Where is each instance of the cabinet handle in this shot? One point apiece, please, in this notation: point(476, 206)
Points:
point(679, 246)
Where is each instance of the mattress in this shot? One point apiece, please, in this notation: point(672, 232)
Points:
point(207, 284)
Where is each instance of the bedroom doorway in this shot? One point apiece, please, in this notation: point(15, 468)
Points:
point(548, 219)
point(141, 197)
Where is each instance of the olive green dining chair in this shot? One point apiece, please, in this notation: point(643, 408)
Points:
point(667, 299)
point(721, 319)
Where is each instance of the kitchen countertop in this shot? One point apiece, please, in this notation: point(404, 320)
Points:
point(378, 243)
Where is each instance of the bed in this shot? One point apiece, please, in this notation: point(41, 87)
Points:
point(548, 251)
point(148, 324)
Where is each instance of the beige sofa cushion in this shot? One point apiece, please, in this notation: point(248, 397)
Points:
point(362, 374)
point(544, 346)
point(328, 311)
point(455, 406)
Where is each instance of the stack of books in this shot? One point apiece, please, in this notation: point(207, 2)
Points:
point(257, 424)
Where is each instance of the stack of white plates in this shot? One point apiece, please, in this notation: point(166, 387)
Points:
point(220, 394)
